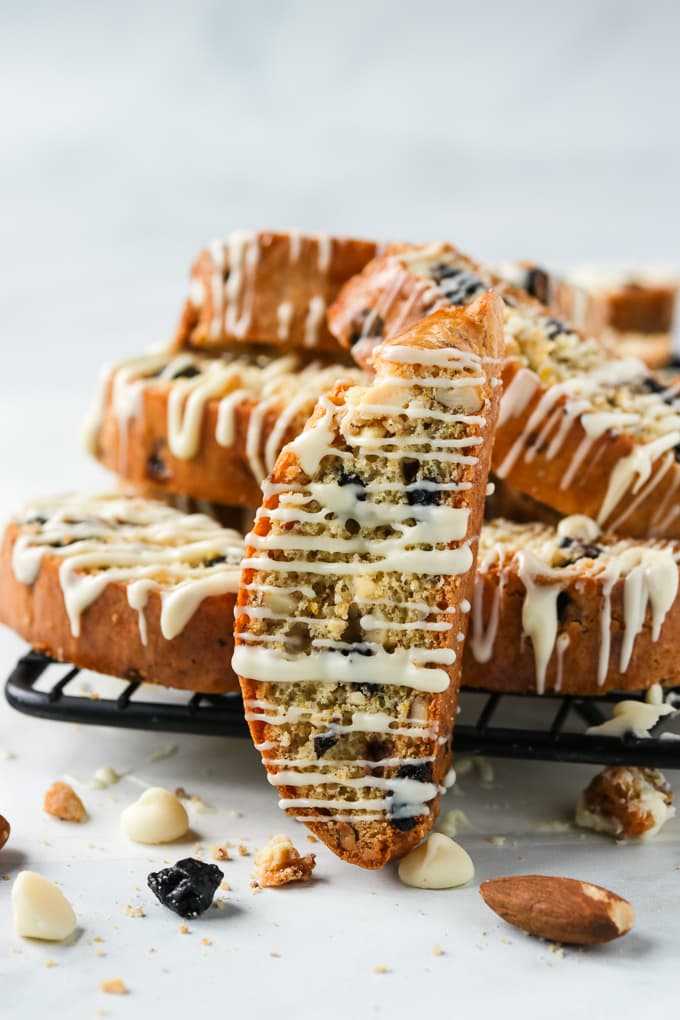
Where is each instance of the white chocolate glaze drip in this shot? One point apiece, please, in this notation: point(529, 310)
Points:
point(143, 544)
point(540, 558)
point(283, 389)
point(369, 538)
point(585, 389)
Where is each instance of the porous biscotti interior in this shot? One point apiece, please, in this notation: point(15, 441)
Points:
point(646, 408)
point(368, 741)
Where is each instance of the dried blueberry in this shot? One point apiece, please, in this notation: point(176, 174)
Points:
point(579, 550)
point(156, 468)
point(537, 283)
point(323, 742)
point(553, 328)
point(188, 887)
point(423, 497)
point(458, 285)
point(214, 560)
point(187, 373)
point(367, 324)
point(422, 772)
point(563, 601)
point(348, 478)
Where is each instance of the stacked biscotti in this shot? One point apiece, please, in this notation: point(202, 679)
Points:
point(359, 398)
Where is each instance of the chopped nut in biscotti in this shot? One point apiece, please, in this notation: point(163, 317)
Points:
point(559, 909)
point(4, 831)
point(62, 801)
point(627, 802)
point(279, 863)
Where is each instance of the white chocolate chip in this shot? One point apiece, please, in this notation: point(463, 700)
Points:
point(438, 863)
point(41, 911)
point(157, 817)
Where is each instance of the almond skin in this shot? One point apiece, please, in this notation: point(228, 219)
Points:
point(4, 831)
point(559, 909)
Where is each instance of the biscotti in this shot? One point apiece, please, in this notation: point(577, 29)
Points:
point(355, 587)
point(270, 288)
point(208, 428)
point(579, 431)
point(125, 587)
point(632, 311)
point(573, 611)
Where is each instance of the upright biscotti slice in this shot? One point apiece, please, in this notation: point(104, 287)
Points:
point(570, 610)
point(268, 287)
point(208, 428)
point(353, 598)
point(578, 430)
point(124, 586)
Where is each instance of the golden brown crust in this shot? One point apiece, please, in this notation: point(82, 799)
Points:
point(573, 664)
point(371, 844)
point(138, 451)
point(651, 512)
point(197, 659)
point(285, 283)
point(273, 400)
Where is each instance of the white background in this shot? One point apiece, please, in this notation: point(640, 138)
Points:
point(130, 134)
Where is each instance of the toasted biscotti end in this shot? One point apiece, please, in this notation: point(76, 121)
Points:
point(268, 287)
point(552, 610)
point(354, 591)
point(124, 586)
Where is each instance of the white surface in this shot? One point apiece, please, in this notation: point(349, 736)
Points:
point(133, 133)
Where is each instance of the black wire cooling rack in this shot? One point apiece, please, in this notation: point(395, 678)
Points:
point(547, 727)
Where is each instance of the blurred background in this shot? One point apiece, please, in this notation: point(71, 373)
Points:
point(132, 133)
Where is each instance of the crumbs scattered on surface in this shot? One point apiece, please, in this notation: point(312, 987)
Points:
point(380, 969)
point(312, 839)
point(276, 955)
point(184, 929)
point(50, 963)
point(243, 850)
point(113, 986)
point(437, 950)
point(206, 941)
point(279, 863)
point(497, 840)
point(220, 852)
point(136, 911)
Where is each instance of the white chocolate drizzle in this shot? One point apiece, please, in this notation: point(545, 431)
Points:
point(141, 543)
point(648, 572)
point(283, 388)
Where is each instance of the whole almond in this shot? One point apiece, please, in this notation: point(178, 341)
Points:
point(4, 831)
point(559, 909)
point(62, 801)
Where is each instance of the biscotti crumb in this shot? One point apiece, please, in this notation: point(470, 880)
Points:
point(277, 955)
point(220, 853)
point(437, 950)
point(312, 839)
point(184, 929)
point(62, 801)
point(381, 970)
point(113, 986)
point(243, 850)
point(279, 863)
point(136, 911)
point(206, 942)
point(50, 963)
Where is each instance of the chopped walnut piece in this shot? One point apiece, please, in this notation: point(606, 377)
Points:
point(627, 802)
point(4, 832)
point(62, 801)
point(279, 863)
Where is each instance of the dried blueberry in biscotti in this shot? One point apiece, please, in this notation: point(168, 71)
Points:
point(457, 284)
point(188, 887)
point(571, 550)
